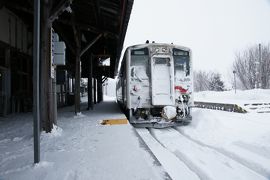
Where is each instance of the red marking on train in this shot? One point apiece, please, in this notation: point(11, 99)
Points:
point(181, 89)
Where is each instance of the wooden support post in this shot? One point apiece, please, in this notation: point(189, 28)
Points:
point(54, 94)
point(43, 76)
point(46, 99)
point(77, 37)
point(78, 75)
point(99, 88)
point(73, 85)
point(90, 84)
point(67, 87)
point(77, 84)
point(7, 81)
point(95, 91)
point(52, 82)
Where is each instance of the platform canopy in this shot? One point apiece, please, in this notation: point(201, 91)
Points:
point(102, 26)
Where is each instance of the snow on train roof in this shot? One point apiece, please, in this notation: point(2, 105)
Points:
point(138, 46)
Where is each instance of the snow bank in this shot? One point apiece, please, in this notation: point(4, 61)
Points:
point(242, 137)
point(42, 164)
point(79, 115)
point(56, 132)
point(240, 97)
point(255, 100)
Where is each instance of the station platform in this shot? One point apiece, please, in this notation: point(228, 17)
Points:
point(79, 147)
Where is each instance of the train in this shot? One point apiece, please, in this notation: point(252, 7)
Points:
point(154, 85)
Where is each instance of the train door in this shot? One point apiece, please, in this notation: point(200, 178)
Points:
point(162, 81)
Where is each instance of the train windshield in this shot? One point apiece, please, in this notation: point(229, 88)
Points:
point(181, 61)
point(139, 57)
point(140, 63)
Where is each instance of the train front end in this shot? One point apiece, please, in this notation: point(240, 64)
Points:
point(160, 85)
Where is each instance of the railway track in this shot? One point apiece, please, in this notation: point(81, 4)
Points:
point(185, 158)
point(257, 163)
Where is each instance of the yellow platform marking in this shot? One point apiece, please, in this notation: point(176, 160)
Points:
point(114, 121)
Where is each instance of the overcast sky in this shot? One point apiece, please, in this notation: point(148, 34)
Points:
point(213, 29)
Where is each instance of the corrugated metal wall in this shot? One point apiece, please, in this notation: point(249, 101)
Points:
point(14, 32)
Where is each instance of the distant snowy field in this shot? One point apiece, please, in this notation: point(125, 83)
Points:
point(240, 97)
point(255, 100)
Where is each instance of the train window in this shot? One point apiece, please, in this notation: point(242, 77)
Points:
point(162, 60)
point(178, 52)
point(138, 52)
point(180, 67)
point(139, 60)
point(180, 60)
point(139, 57)
point(143, 51)
point(181, 63)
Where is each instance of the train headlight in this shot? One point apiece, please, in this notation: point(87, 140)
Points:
point(164, 50)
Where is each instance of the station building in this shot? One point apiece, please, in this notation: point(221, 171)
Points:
point(76, 37)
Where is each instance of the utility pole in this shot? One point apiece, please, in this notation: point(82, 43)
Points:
point(36, 87)
point(257, 66)
point(260, 61)
point(234, 81)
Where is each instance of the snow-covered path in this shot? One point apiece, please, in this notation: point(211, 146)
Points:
point(175, 167)
point(243, 137)
point(216, 145)
point(79, 148)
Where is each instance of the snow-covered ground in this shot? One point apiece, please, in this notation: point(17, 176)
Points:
point(216, 145)
point(79, 148)
point(240, 97)
point(255, 100)
point(243, 138)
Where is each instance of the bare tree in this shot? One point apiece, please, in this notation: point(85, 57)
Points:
point(201, 81)
point(207, 81)
point(265, 67)
point(252, 66)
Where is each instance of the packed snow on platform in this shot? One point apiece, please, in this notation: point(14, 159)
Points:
point(77, 148)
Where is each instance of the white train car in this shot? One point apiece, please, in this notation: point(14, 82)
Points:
point(155, 85)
